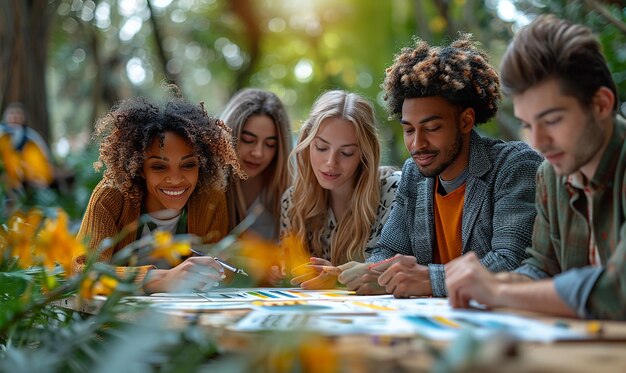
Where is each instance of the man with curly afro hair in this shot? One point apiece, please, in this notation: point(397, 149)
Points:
point(459, 191)
point(566, 99)
point(168, 162)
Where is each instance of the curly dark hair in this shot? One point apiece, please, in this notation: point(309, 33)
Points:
point(131, 126)
point(460, 73)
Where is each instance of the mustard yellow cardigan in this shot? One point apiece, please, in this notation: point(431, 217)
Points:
point(109, 211)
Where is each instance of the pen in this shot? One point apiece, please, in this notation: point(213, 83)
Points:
point(222, 263)
point(372, 266)
point(230, 267)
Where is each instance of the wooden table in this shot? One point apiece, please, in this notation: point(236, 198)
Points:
point(605, 352)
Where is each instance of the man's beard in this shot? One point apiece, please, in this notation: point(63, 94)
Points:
point(451, 155)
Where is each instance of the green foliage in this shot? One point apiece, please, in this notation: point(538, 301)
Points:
point(36, 334)
point(208, 47)
point(73, 193)
point(216, 48)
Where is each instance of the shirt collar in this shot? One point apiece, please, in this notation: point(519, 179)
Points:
point(605, 172)
point(576, 180)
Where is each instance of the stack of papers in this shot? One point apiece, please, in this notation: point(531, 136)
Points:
point(340, 312)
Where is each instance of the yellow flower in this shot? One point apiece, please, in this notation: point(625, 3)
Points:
point(20, 236)
point(281, 359)
point(302, 352)
point(259, 256)
point(12, 162)
point(166, 248)
point(35, 165)
point(94, 285)
point(55, 244)
point(312, 349)
point(295, 253)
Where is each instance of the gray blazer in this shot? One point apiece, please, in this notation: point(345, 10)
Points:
point(498, 212)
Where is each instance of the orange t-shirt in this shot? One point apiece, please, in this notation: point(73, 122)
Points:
point(448, 224)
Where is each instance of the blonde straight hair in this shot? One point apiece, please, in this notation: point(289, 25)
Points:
point(243, 105)
point(311, 201)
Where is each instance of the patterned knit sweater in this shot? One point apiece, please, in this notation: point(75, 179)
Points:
point(109, 211)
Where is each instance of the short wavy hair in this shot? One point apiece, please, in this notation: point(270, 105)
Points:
point(552, 48)
point(131, 126)
point(460, 73)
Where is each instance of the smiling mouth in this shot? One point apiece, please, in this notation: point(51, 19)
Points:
point(174, 193)
point(552, 155)
point(424, 159)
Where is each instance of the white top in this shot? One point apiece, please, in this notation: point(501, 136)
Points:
point(167, 225)
point(388, 186)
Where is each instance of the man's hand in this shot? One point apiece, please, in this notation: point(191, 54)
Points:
point(358, 277)
point(467, 279)
point(403, 277)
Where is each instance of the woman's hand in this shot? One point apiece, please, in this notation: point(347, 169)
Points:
point(317, 274)
point(276, 275)
point(360, 278)
point(195, 273)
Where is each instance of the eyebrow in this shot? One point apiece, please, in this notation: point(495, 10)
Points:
point(167, 159)
point(244, 132)
point(546, 112)
point(425, 120)
point(342, 146)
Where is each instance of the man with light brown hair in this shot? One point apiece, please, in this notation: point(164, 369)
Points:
point(565, 98)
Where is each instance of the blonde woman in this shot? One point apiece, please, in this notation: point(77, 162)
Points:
point(261, 127)
point(339, 201)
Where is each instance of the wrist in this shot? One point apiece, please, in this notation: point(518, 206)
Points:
point(510, 277)
point(499, 294)
point(151, 282)
point(426, 284)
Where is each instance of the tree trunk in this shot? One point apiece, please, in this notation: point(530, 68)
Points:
point(246, 12)
point(158, 40)
point(24, 26)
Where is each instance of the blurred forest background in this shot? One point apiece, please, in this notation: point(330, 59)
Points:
point(69, 61)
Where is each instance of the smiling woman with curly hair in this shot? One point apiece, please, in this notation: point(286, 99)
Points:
point(171, 162)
